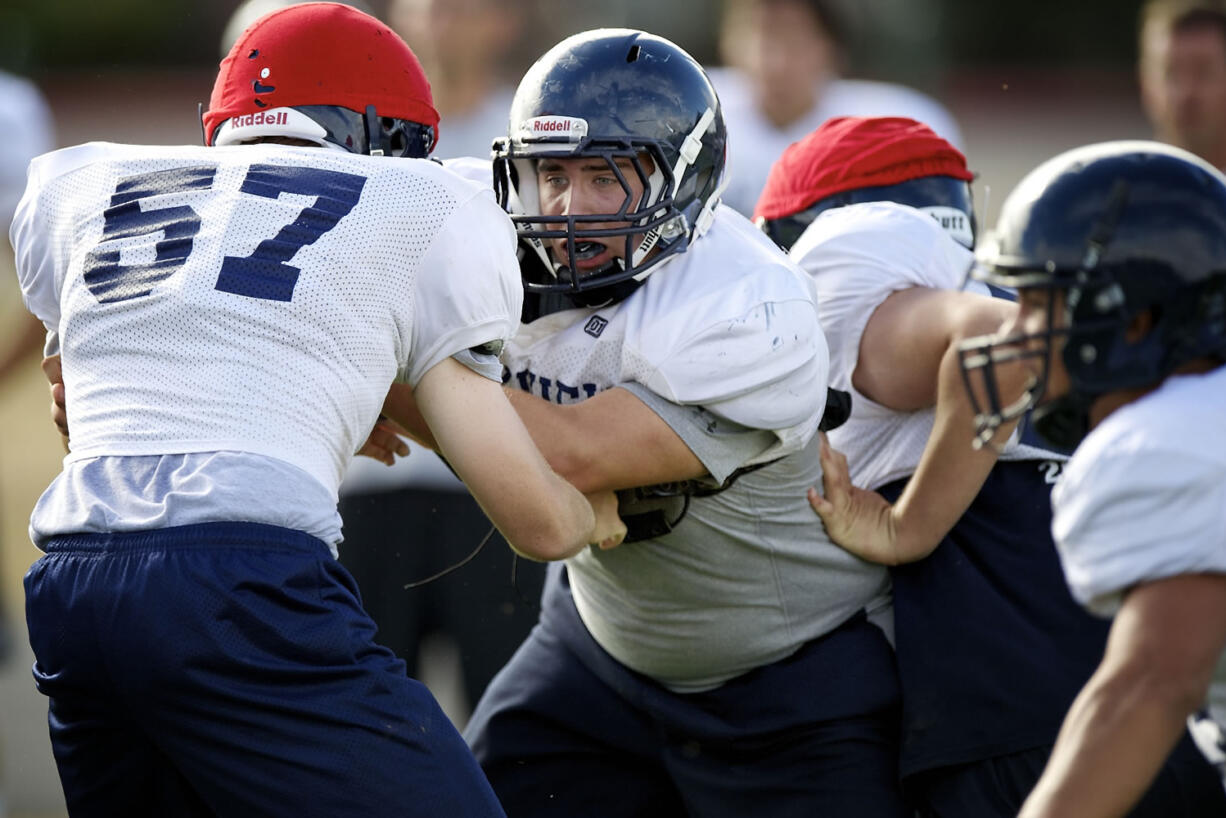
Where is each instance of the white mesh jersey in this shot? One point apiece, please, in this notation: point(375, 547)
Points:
point(254, 299)
point(1144, 495)
point(858, 255)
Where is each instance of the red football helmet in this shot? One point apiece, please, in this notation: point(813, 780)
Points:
point(326, 73)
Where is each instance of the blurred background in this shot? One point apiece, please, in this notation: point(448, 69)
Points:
point(1012, 83)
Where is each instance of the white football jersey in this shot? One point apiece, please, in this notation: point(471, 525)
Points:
point(858, 255)
point(1144, 495)
point(256, 299)
point(743, 346)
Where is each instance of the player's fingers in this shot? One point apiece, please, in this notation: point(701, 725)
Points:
point(836, 480)
point(388, 432)
point(391, 425)
point(612, 542)
point(819, 503)
point(378, 448)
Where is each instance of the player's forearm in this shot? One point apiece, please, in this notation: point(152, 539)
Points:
point(1113, 742)
point(562, 444)
point(950, 472)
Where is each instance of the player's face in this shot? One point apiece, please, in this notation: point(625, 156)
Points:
point(1039, 310)
point(783, 49)
point(1033, 339)
point(585, 187)
point(1183, 86)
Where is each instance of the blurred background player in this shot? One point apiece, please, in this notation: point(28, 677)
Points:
point(723, 662)
point(1182, 72)
point(991, 646)
point(473, 51)
point(482, 611)
point(1118, 254)
point(192, 295)
point(785, 60)
point(26, 120)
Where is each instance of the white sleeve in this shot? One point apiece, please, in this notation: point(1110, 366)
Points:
point(469, 292)
point(764, 369)
point(858, 255)
point(36, 252)
point(1123, 517)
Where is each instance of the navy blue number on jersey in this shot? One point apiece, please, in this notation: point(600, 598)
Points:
point(111, 281)
point(264, 274)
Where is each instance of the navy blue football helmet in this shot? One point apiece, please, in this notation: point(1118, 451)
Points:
point(609, 95)
point(1122, 228)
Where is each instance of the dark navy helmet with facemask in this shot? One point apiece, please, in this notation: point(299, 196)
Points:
point(639, 104)
point(1122, 228)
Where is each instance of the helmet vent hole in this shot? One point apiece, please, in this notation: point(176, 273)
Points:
point(255, 52)
point(632, 54)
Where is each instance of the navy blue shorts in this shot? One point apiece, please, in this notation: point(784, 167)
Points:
point(1186, 787)
point(229, 669)
point(565, 730)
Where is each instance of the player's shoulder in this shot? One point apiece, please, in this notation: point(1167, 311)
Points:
point(734, 248)
point(866, 222)
point(901, 243)
point(64, 161)
point(730, 272)
point(1180, 420)
point(479, 172)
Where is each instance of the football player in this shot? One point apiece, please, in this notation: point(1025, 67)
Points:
point(991, 646)
point(1118, 253)
point(228, 320)
point(723, 662)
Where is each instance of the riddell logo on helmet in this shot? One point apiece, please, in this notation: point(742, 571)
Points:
point(567, 126)
point(260, 118)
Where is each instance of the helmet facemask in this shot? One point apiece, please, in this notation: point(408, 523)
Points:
point(648, 228)
point(979, 358)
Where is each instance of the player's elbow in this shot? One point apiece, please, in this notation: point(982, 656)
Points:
point(554, 529)
point(549, 539)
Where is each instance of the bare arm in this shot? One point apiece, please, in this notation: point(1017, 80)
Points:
point(1160, 657)
point(610, 441)
point(908, 360)
point(540, 514)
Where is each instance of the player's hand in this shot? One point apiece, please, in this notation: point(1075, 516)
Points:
point(859, 521)
point(384, 442)
point(59, 407)
point(609, 530)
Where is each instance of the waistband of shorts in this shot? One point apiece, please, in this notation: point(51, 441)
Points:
point(197, 535)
